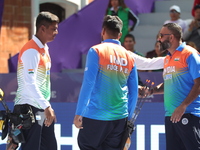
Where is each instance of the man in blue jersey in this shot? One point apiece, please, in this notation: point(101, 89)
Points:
point(109, 91)
point(181, 90)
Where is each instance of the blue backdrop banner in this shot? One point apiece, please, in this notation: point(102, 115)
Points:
point(149, 133)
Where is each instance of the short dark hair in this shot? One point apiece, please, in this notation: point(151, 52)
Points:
point(45, 18)
point(130, 36)
point(113, 25)
point(175, 29)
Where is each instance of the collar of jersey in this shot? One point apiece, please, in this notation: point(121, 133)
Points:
point(180, 48)
point(39, 43)
point(112, 41)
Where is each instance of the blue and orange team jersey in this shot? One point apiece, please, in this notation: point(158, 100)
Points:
point(180, 71)
point(110, 85)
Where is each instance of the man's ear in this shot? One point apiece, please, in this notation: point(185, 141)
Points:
point(119, 35)
point(42, 28)
point(103, 31)
point(171, 37)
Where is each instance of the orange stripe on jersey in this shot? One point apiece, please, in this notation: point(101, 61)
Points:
point(180, 57)
point(32, 45)
point(118, 56)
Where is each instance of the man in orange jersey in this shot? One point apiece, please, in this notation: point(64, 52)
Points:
point(33, 91)
point(181, 90)
point(109, 91)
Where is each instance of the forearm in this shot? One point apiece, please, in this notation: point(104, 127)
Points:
point(132, 91)
point(143, 63)
point(195, 91)
point(88, 81)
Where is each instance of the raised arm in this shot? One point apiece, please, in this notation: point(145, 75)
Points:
point(143, 63)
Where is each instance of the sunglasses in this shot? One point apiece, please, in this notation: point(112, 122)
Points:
point(162, 35)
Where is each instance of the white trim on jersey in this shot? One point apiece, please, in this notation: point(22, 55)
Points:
point(143, 63)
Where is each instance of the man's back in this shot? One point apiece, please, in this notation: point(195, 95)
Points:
point(109, 66)
point(110, 89)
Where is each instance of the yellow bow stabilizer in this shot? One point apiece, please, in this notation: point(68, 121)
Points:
point(1, 117)
point(1, 94)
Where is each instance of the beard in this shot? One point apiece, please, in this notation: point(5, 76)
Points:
point(164, 45)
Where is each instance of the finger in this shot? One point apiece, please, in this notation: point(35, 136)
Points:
point(79, 126)
point(175, 119)
point(48, 122)
point(51, 120)
point(178, 118)
point(172, 119)
point(78, 123)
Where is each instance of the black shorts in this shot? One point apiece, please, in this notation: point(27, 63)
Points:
point(184, 135)
point(101, 135)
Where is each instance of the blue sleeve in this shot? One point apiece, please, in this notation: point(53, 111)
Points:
point(132, 91)
point(194, 65)
point(91, 70)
